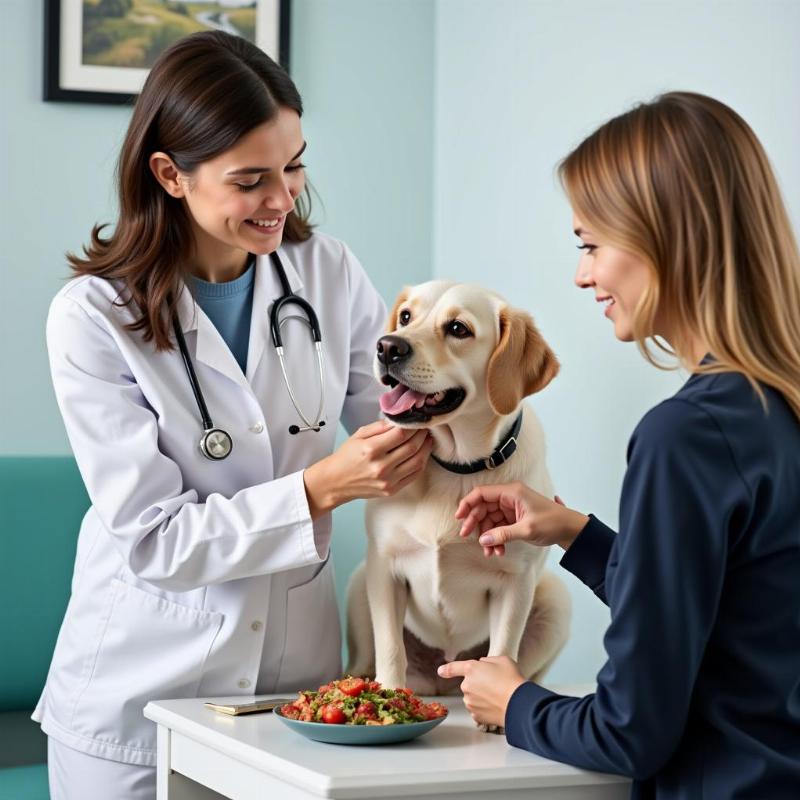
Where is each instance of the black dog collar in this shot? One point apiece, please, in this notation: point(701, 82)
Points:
point(503, 452)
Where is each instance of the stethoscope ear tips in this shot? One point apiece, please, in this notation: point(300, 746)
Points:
point(293, 429)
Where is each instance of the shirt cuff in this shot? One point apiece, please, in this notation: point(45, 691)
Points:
point(520, 709)
point(587, 557)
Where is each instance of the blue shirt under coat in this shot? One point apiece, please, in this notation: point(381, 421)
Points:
point(700, 695)
point(229, 306)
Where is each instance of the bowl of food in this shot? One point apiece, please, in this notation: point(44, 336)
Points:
point(360, 711)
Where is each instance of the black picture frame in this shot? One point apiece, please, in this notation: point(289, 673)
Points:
point(53, 91)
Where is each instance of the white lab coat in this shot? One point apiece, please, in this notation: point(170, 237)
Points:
point(194, 577)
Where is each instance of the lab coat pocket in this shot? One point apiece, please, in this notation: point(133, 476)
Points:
point(152, 648)
point(312, 652)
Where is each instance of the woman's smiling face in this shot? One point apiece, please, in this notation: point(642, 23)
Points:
point(237, 202)
point(242, 196)
point(618, 278)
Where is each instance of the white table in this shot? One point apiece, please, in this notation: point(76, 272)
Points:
point(202, 753)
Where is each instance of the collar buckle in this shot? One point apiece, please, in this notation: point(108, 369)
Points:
point(501, 456)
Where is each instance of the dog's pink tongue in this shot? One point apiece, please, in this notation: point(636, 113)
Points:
point(400, 399)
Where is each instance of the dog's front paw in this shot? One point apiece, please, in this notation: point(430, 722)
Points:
point(491, 728)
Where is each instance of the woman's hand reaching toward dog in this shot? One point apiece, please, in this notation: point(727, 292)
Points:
point(514, 511)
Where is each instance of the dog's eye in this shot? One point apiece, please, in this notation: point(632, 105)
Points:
point(404, 317)
point(458, 329)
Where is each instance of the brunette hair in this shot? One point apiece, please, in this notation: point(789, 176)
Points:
point(201, 96)
point(683, 183)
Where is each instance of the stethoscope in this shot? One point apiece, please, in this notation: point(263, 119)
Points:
point(216, 443)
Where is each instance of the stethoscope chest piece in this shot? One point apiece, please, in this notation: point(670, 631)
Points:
point(216, 444)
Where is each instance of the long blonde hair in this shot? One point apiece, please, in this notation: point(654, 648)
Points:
point(683, 183)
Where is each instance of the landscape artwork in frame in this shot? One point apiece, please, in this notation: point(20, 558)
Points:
point(100, 51)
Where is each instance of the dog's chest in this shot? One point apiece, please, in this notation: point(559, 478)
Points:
point(416, 532)
point(450, 590)
point(451, 572)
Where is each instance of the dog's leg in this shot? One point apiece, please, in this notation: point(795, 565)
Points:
point(547, 628)
point(360, 644)
point(387, 603)
point(546, 631)
point(508, 612)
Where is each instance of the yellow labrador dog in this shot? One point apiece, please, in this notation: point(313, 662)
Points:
point(459, 361)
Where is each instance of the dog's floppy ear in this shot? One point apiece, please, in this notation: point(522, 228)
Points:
point(521, 364)
point(391, 322)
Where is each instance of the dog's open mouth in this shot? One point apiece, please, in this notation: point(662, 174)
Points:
point(404, 404)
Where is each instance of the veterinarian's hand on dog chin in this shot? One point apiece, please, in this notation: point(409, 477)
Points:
point(487, 686)
point(376, 461)
point(514, 511)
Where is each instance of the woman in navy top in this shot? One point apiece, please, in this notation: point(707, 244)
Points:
point(685, 237)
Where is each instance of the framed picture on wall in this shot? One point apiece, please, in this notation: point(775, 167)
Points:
point(99, 51)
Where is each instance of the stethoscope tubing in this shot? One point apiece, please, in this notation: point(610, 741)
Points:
point(275, 323)
point(216, 444)
point(309, 426)
point(187, 362)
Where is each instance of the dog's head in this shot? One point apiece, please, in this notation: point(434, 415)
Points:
point(453, 349)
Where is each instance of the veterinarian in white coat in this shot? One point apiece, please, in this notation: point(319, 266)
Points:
point(195, 576)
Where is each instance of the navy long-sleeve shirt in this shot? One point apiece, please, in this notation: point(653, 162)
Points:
point(700, 695)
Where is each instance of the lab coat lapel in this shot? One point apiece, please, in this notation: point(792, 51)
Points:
point(267, 289)
point(209, 348)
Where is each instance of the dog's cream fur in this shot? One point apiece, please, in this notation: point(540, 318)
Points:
point(419, 574)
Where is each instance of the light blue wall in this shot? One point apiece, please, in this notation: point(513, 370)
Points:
point(56, 162)
point(517, 88)
point(433, 128)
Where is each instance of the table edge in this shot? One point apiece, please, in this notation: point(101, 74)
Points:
point(554, 773)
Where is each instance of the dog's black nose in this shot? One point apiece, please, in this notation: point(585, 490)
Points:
point(392, 349)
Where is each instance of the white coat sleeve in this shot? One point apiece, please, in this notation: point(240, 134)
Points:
point(162, 532)
point(367, 324)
